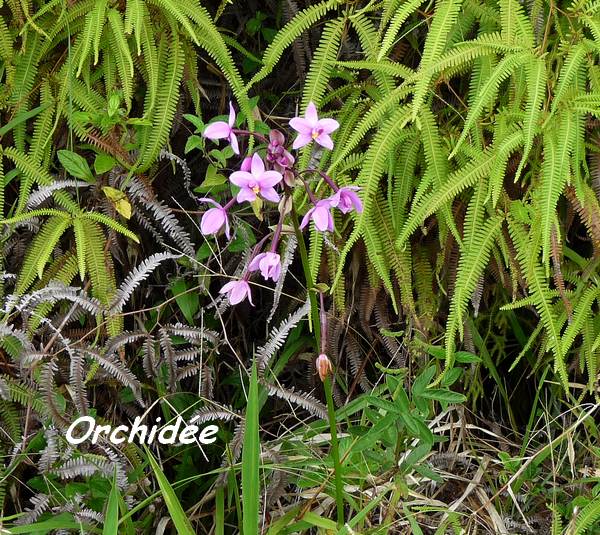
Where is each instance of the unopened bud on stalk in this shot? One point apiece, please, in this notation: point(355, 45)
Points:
point(323, 366)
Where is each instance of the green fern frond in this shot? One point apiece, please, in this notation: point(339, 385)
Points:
point(581, 313)
point(516, 27)
point(288, 34)
point(39, 251)
point(400, 15)
point(80, 240)
point(110, 223)
point(587, 517)
point(155, 136)
point(120, 51)
point(446, 13)
point(370, 43)
point(536, 87)
point(322, 63)
point(489, 91)
point(555, 174)
point(472, 263)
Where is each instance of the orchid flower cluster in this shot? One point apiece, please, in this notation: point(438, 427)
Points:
point(268, 178)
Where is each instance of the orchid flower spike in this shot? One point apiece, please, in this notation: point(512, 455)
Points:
point(214, 218)
point(311, 127)
point(237, 291)
point(269, 264)
point(320, 213)
point(346, 200)
point(256, 182)
point(222, 129)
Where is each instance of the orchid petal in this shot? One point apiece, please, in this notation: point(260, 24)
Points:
point(301, 125)
point(311, 114)
point(231, 115)
point(301, 141)
point(270, 178)
point(212, 221)
point(218, 130)
point(306, 218)
point(328, 125)
point(234, 143)
point(241, 178)
point(269, 194)
point(257, 166)
point(245, 194)
point(325, 141)
point(321, 218)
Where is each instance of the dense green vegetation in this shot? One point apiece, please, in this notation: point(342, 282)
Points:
point(455, 306)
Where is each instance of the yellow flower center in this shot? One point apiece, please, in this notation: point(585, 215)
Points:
point(256, 189)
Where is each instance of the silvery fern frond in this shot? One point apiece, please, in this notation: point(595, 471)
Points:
point(302, 399)
point(287, 259)
point(45, 192)
point(163, 215)
point(50, 453)
point(136, 277)
point(117, 369)
point(84, 466)
point(40, 503)
point(187, 173)
point(56, 291)
point(278, 337)
point(117, 342)
point(194, 335)
point(212, 412)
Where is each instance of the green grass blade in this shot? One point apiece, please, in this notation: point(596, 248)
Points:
point(250, 461)
point(182, 524)
point(111, 517)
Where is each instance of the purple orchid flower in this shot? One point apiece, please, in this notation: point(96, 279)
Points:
point(276, 153)
point(269, 264)
point(214, 218)
point(320, 213)
point(222, 129)
point(257, 181)
point(246, 164)
point(346, 200)
point(237, 291)
point(311, 127)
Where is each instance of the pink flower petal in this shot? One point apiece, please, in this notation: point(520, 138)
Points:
point(306, 218)
point(269, 194)
point(270, 178)
point(245, 194)
point(301, 141)
point(246, 164)
point(254, 265)
point(239, 292)
point(257, 166)
point(301, 125)
point(218, 130)
point(231, 115)
point(228, 287)
point(325, 141)
point(234, 143)
point(321, 218)
point(311, 114)
point(210, 201)
point(328, 125)
point(241, 178)
point(212, 221)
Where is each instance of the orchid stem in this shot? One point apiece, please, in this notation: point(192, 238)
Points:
point(335, 453)
point(314, 314)
point(314, 309)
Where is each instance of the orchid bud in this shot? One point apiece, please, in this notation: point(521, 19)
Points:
point(285, 205)
point(323, 366)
